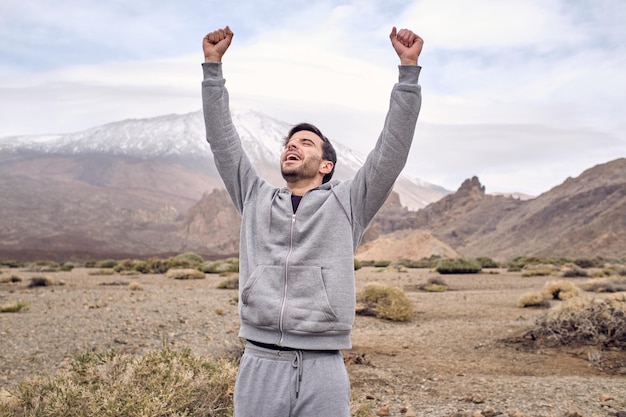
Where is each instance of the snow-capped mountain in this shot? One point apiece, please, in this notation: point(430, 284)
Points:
point(182, 136)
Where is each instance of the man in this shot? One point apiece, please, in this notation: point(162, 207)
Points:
point(296, 284)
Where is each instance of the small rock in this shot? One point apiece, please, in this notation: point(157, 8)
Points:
point(491, 413)
point(605, 397)
point(384, 411)
point(477, 414)
point(573, 413)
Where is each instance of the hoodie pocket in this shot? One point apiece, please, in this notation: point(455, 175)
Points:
point(262, 296)
point(308, 309)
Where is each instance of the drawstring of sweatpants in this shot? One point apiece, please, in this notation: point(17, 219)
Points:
point(297, 363)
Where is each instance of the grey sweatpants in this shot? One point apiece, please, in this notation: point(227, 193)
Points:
point(299, 383)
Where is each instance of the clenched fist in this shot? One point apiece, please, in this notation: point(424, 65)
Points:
point(216, 43)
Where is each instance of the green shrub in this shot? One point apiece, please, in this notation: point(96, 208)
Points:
point(382, 264)
point(587, 263)
point(458, 266)
point(539, 270)
point(384, 302)
point(11, 263)
point(185, 260)
point(486, 262)
point(157, 265)
point(107, 263)
point(357, 264)
point(428, 263)
point(43, 266)
point(220, 266)
point(159, 383)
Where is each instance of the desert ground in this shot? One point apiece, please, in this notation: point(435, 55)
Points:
point(460, 355)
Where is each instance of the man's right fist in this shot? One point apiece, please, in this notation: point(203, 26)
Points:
point(216, 43)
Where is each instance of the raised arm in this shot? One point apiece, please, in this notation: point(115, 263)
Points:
point(232, 162)
point(374, 181)
point(216, 43)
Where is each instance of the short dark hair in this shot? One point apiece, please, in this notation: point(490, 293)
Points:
point(328, 151)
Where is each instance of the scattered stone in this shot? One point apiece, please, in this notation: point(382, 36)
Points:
point(476, 398)
point(356, 359)
point(573, 413)
point(384, 411)
point(605, 398)
point(491, 413)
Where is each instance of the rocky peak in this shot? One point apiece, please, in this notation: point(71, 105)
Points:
point(471, 188)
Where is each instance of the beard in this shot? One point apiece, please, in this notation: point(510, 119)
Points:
point(306, 170)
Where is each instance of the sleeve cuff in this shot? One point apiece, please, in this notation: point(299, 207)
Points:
point(212, 70)
point(409, 74)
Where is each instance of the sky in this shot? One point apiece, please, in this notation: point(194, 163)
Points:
point(521, 93)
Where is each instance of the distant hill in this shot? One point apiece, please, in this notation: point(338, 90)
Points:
point(583, 217)
point(138, 188)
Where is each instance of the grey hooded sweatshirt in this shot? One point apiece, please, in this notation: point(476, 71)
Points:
point(296, 270)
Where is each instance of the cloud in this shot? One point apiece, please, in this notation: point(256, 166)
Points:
point(523, 93)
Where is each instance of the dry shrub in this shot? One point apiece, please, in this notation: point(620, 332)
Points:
point(231, 283)
point(384, 302)
point(614, 269)
point(135, 286)
point(185, 274)
point(618, 298)
point(102, 272)
point(434, 285)
point(159, 383)
point(14, 307)
point(40, 282)
point(605, 284)
point(571, 305)
point(533, 299)
point(539, 270)
point(573, 270)
point(10, 279)
point(220, 266)
point(560, 290)
point(599, 323)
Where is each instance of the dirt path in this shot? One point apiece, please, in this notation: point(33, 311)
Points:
point(449, 360)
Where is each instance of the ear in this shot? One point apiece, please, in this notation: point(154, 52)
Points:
point(326, 167)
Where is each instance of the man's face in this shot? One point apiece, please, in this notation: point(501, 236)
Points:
point(302, 157)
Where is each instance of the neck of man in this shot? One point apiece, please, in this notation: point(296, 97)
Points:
point(302, 186)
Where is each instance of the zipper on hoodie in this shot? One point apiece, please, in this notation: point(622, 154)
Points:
point(285, 287)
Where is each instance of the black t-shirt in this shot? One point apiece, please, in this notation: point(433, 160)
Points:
point(295, 201)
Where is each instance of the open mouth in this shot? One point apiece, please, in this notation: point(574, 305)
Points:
point(292, 157)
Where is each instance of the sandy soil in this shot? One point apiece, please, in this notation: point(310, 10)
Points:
point(450, 360)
